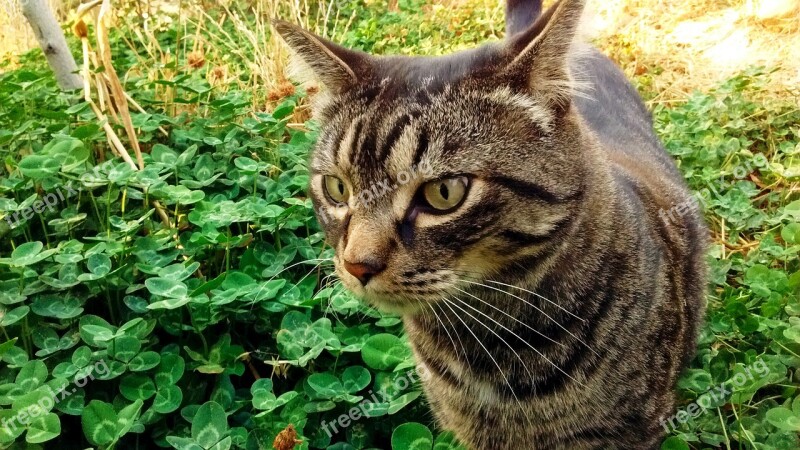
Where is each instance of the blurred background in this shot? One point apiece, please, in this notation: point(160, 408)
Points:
point(682, 45)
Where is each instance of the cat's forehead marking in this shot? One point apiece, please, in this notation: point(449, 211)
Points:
point(342, 148)
point(538, 113)
point(380, 140)
point(386, 132)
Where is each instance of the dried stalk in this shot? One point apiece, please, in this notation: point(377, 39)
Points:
point(121, 103)
point(115, 102)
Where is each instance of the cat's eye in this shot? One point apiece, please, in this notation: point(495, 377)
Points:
point(445, 194)
point(336, 189)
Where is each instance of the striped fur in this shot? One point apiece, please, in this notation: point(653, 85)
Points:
point(556, 306)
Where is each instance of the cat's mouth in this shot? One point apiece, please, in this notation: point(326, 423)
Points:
point(395, 296)
point(395, 301)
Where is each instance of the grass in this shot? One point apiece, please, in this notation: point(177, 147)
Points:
point(191, 290)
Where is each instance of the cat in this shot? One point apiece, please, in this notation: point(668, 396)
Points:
point(551, 300)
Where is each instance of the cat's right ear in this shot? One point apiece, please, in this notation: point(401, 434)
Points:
point(336, 67)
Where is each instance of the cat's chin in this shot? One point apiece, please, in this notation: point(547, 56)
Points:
point(398, 306)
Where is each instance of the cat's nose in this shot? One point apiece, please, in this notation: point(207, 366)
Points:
point(364, 270)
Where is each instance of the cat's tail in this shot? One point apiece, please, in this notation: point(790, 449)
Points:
point(520, 14)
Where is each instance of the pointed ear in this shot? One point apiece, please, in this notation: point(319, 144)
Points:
point(336, 67)
point(538, 57)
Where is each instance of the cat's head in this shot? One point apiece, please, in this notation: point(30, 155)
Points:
point(433, 170)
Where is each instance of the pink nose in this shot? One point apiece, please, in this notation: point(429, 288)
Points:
point(364, 270)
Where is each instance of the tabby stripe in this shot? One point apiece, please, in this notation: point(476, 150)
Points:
point(470, 227)
point(405, 230)
point(671, 242)
point(346, 228)
point(422, 147)
point(440, 370)
point(370, 92)
point(580, 357)
point(337, 141)
point(522, 239)
point(450, 148)
point(392, 137)
point(365, 147)
point(693, 283)
point(554, 237)
point(357, 127)
point(531, 190)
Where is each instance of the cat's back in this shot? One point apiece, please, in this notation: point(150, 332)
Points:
point(614, 111)
point(644, 173)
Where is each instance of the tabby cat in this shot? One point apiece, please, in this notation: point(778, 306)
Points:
point(540, 281)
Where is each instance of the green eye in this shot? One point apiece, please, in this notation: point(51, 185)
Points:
point(445, 194)
point(336, 189)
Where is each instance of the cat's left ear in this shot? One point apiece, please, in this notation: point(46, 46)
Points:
point(538, 58)
point(336, 67)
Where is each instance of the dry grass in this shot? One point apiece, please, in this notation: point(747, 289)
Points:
point(695, 44)
point(675, 46)
point(251, 59)
point(263, 51)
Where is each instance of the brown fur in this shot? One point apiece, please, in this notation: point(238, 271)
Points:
point(557, 305)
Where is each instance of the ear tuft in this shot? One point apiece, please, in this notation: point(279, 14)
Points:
point(335, 66)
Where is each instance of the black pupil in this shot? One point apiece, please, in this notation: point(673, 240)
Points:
point(443, 191)
point(340, 187)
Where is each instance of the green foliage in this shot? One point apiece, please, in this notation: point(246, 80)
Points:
point(220, 328)
point(419, 27)
point(740, 156)
point(216, 329)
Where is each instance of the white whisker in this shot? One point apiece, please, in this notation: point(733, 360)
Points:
point(539, 296)
point(502, 374)
point(458, 336)
point(521, 409)
point(512, 317)
point(516, 336)
point(447, 331)
point(474, 277)
point(494, 332)
point(261, 288)
point(537, 309)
